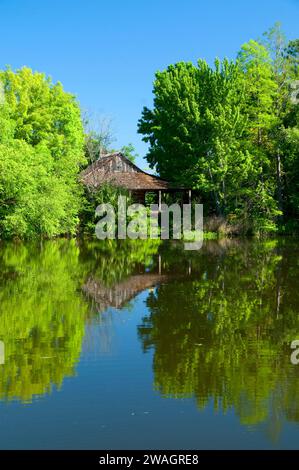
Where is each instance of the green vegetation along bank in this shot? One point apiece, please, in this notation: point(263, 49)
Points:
point(230, 131)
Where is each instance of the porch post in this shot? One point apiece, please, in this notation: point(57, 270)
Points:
point(160, 200)
point(190, 196)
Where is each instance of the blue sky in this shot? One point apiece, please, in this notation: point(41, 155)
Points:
point(106, 52)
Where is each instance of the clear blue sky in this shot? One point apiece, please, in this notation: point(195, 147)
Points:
point(106, 52)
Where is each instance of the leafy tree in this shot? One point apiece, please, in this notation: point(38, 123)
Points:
point(98, 137)
point(261, 92)
point(189, 130)
point(129, 152)
point(260, 88)
point(223, 130)
point(292, 54)
point(41, 150)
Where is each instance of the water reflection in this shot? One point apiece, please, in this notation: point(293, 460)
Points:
point(41, 317)
point(43, 311)
point(219, 321)
point(225, 335)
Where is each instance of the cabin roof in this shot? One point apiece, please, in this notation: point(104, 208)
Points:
point(119, 171)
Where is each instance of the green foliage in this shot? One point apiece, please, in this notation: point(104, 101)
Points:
point(93, 198)
point(229, 131)
point(41, 150)
point(129, 152)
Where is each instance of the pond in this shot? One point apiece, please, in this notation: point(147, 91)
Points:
point(142, 345)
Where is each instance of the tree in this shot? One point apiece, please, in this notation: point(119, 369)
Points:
point(198, 133)
point(261, 91)
point(98, 136)
point(41, 151)
point(285, 59)
point(189, 129)
point(129, 152)
point(292, 54)
point(223, 130)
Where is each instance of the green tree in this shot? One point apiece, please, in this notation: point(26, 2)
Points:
point(41, 150)
point(199, 130)
point(292, 54)
point(227, 130)
point(189, 129)
point(261, 91)
point(129, 152)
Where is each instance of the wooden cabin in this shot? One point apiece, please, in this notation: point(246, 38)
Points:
point(116, 169)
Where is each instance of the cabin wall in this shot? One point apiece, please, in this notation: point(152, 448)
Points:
point(138, 196)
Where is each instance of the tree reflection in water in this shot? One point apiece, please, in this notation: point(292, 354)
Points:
point(41, 317)
point(220, 321)
point(224, 334)
point(43, 310)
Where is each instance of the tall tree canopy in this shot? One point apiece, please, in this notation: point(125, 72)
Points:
point(230, 131)
point(41, 150)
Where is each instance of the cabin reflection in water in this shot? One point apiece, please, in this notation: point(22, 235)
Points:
point(119, 294)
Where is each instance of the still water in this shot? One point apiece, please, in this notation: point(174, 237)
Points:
point(145, 345)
